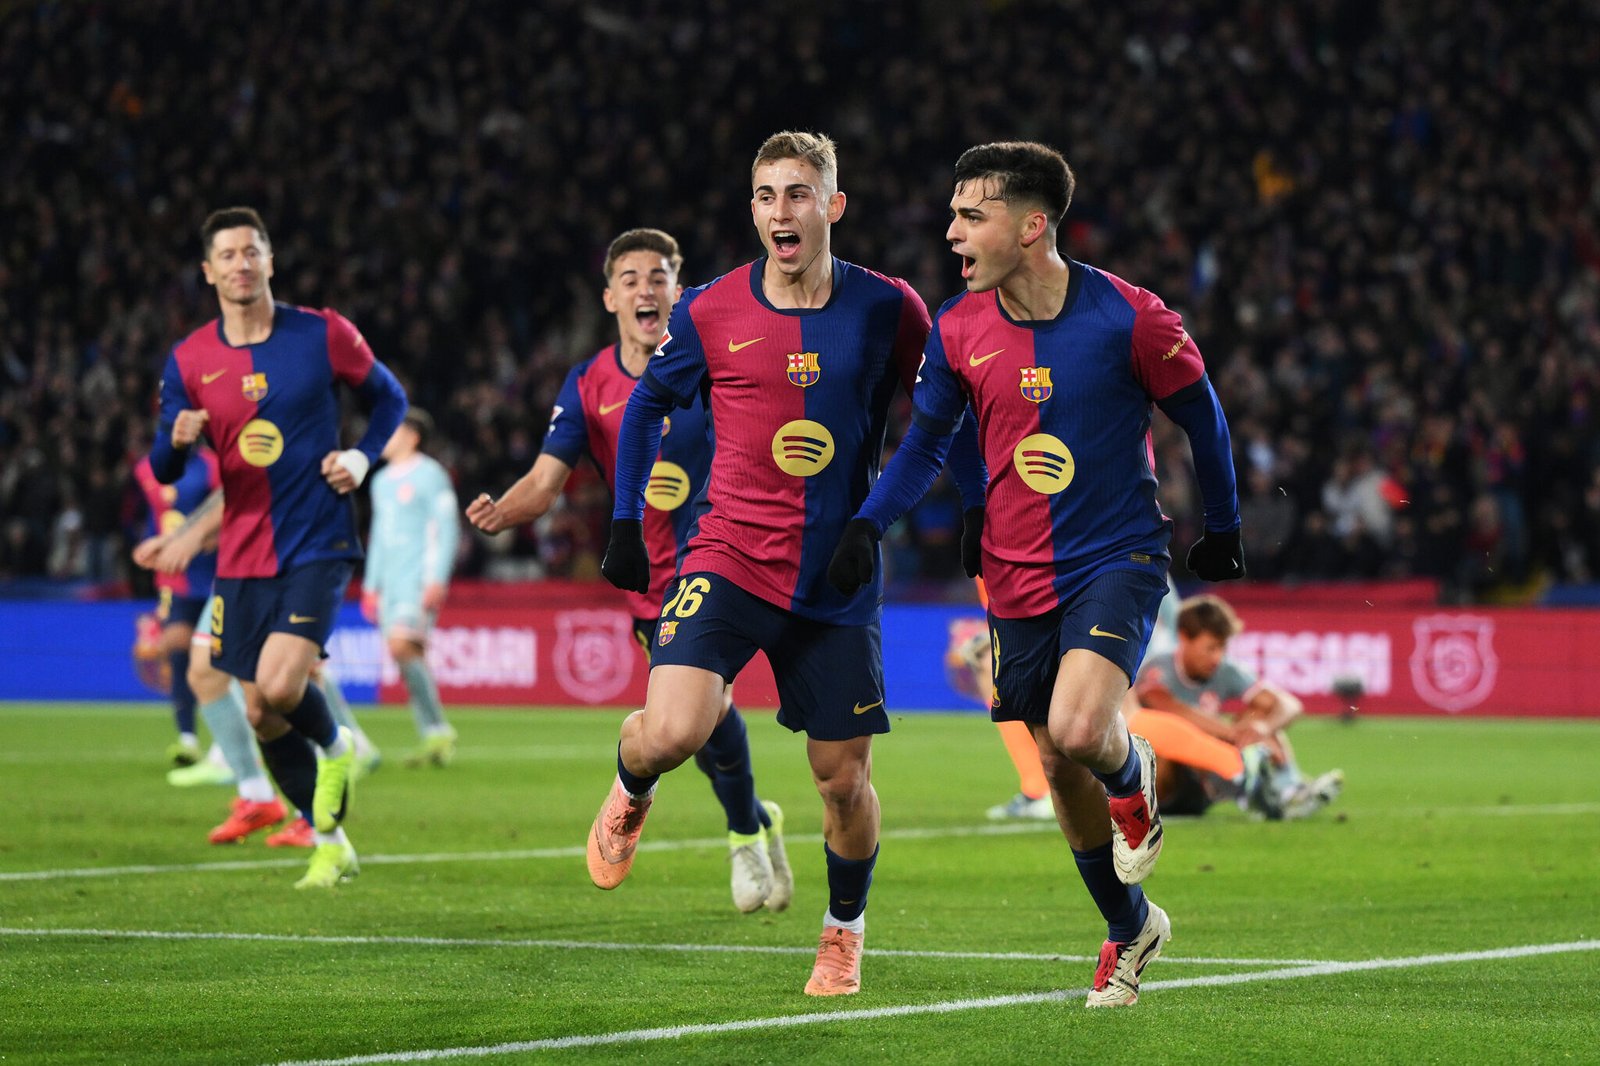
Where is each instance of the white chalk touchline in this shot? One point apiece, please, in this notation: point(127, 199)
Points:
point(634, 1036)
point(572, 852)
point(565, 852)
point(592, 945)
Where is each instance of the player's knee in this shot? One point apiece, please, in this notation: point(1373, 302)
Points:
point(281, 692)
point(672, 743)
point(404, 649)
point(843, 785)
point(206, 682)
point(1082, 739)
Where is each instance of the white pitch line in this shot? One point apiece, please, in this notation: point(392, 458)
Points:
point(571, 852)
point(594, 945)
point(567, 852)
point(634, 1036)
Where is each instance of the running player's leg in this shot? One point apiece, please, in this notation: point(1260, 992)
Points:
point(287, 620)
point(406, 626)
point(681, 709)
point(222, 704)
point(709, 629)
point(830, 685)
point(175, 637)
point(1103, 631)
point(1032, 800)
point(326, 678)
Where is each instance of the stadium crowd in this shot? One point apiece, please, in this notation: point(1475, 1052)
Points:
point(1381, 224)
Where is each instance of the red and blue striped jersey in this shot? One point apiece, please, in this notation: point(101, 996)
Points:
point(170, 505)
point(274, 414)
point(1063, 411)
point(587, 419)
point(798, 404)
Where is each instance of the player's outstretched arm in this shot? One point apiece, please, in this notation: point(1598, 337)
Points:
point(533, 494)
point(1218, 555)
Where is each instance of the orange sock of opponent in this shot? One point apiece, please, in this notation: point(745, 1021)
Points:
point(1019, 740)
point(1180, 740)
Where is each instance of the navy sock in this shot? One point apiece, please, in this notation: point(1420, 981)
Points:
point(182, 695)
point(635, 784)
point(849, 880)
point(1123, 906)
point(313, 720)
point(1124, 782)
point(727, 762)
point(292, 761)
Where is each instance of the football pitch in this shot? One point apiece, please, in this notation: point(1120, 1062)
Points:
point(1444, 910)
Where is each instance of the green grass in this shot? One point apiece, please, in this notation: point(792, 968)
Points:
point(1449, 839)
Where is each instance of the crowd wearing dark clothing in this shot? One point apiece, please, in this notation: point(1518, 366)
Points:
point(1381, 223)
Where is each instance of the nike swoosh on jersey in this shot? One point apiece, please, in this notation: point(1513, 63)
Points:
point(301, 619)
point(607, 408)
point(206, 379)
point(979, 360)
point(732, 347)
point(863, 710)
point(1096, 631)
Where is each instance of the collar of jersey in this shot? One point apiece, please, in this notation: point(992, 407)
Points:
point(759, 267)
point(277, 309)
point(1074, 284)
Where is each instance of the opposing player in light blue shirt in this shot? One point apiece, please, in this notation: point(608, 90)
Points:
point(411, 552)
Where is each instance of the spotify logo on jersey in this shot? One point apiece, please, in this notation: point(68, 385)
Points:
point(802, 447)
point(668, 486)
point(260, 442)
point(1045, 464)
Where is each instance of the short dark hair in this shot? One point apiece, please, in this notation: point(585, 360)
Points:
point(1024, 171)
point(231, 218)
point(1208, 614)
point(643, 240)
point(421, 423)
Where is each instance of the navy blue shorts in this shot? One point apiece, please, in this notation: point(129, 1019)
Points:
point(1112, 616)
point(179, 610)
point(303, 601)
point(830, 677)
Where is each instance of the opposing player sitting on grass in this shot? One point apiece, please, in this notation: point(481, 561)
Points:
point(410, 554)
point(798, 355)
point(182, 594)
point(260, 383)
point(1195, 682)
point(1062, 363)
point(641, 274)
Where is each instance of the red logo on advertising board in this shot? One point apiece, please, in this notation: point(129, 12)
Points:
point(594, 653)
point(1453, 666)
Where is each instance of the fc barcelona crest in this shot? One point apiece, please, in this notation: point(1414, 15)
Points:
point(1036, 383)
point(255, 387)
point(668, 631)
point(803, 368)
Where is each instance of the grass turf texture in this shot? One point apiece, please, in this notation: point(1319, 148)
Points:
point(1430, 851)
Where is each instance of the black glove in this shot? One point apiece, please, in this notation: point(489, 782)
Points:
point(972, 541)
point(1216, 557)
point(627, 563)
point(855, 558)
